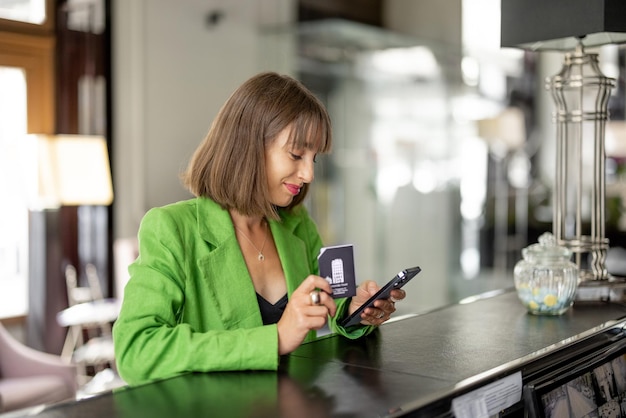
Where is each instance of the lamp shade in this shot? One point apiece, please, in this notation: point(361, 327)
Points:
point(556, 24)
point(73, 170)
point(506, 129)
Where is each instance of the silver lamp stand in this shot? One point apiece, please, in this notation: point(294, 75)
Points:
point(581, 94)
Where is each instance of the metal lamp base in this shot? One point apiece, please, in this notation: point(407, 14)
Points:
point(581, 94)
point(611, 290)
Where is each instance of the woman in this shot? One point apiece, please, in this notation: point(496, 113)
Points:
point(229, 280)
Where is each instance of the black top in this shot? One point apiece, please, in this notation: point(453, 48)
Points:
point(271, 313)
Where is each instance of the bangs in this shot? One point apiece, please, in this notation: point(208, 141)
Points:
point(313, 132)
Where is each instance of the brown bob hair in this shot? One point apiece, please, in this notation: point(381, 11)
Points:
point(229, 165)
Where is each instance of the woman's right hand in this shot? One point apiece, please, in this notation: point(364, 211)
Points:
point(301, 315)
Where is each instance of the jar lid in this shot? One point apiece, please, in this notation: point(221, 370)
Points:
point(547, 248)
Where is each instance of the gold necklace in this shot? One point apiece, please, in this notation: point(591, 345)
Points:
point(260, 257)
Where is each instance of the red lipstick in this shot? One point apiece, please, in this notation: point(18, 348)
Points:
point(293, 189)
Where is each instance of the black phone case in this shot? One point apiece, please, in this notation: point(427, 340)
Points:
point(397, 282)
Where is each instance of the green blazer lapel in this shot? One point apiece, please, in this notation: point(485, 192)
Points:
point(292, 253)
point(224, 268)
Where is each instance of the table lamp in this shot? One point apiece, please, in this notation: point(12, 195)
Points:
point(581, 94)
point(73, 170)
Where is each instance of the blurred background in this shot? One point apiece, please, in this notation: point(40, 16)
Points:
point(443, 154)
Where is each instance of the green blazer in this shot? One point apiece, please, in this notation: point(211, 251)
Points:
point(190, 304)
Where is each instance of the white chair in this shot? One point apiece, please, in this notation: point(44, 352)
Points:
point(89, 343)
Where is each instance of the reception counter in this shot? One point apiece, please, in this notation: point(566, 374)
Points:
point(461, 359)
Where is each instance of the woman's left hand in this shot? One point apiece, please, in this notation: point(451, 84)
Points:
point(383, 308)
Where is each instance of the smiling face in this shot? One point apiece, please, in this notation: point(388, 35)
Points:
point(287, 168)
point(258, 154)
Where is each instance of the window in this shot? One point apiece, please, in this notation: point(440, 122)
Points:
point(26, 106)
point(14, 210)
point(27, 16)
point(29, 11)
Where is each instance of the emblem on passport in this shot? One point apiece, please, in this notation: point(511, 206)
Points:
point(337, 267)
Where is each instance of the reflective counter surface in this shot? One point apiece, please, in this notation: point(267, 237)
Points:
point(411, 366)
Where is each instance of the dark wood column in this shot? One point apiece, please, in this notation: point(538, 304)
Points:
point(80, 52)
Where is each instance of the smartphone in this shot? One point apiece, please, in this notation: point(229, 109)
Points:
point(397, 282)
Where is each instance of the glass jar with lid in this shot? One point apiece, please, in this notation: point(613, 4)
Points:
point(545, 279)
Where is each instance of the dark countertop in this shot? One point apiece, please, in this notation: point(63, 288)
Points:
point(444, 349)
point(416, 364)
